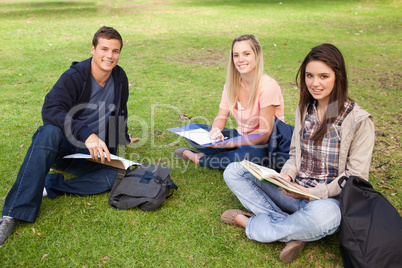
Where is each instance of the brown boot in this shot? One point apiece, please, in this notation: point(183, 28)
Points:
point(292, 250)
point(229, 215)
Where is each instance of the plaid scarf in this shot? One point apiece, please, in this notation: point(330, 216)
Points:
point(320, 160)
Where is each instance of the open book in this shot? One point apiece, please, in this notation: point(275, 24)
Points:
point(116, 161)
point(270, 175)
point(201, 136)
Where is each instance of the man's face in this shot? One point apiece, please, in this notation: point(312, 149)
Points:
point(105, 55)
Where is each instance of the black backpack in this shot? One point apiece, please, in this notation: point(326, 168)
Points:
point(279, 145)
point(371, 228)
point(147, 186)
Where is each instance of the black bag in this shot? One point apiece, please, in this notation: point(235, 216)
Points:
point(371, 228)
point(147, 186)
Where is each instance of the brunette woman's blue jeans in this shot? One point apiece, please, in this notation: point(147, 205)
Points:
point(278, 216)
point(48, 147)
point(220, 158)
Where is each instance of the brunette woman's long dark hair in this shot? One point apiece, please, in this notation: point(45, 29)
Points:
point(332, 57)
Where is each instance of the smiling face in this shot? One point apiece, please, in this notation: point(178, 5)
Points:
point(244, 57)
point(105, 55)
point(320, 81)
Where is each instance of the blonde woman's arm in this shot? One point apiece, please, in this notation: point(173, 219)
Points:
point(266, 121)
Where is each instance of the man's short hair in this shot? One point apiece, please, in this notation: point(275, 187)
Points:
point(107, 33)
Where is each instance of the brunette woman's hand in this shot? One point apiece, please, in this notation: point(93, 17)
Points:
point(296, 195)
point(286, 176)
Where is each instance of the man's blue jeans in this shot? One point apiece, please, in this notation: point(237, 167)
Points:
point(220, 158)
point(48, 147)
point(278, 216)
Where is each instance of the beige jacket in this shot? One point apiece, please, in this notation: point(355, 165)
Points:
point(357, 143)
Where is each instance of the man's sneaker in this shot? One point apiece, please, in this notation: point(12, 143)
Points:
point(7, 225)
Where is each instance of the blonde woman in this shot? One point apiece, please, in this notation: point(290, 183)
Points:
point(253, 98)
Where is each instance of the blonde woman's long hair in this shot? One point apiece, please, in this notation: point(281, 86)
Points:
point(233, 78)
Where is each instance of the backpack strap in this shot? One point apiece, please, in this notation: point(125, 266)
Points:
point(171, 185)
point(146, 177)
point(121, 173)
point(341, 181)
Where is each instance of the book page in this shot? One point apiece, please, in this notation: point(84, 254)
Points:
point(268, 172)
point(116, 161)
point(200, 136)
point(270, 175)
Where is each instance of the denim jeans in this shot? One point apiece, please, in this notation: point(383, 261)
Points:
point(220, 158)
point(48, 147)
point(278, 216)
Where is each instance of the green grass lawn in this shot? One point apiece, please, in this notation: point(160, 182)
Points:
point(175, 55)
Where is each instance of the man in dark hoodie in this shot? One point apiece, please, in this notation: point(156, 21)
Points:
point(85, 112)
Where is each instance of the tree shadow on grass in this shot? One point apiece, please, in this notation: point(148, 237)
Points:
point(47, 9)
point(265, 2)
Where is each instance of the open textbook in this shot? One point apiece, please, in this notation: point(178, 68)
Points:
point(116, 161)
point(201, 136)
point(270, 175)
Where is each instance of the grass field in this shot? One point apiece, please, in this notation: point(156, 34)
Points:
point(175, 55)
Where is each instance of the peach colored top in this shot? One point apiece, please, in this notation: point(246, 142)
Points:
point(269, 93)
